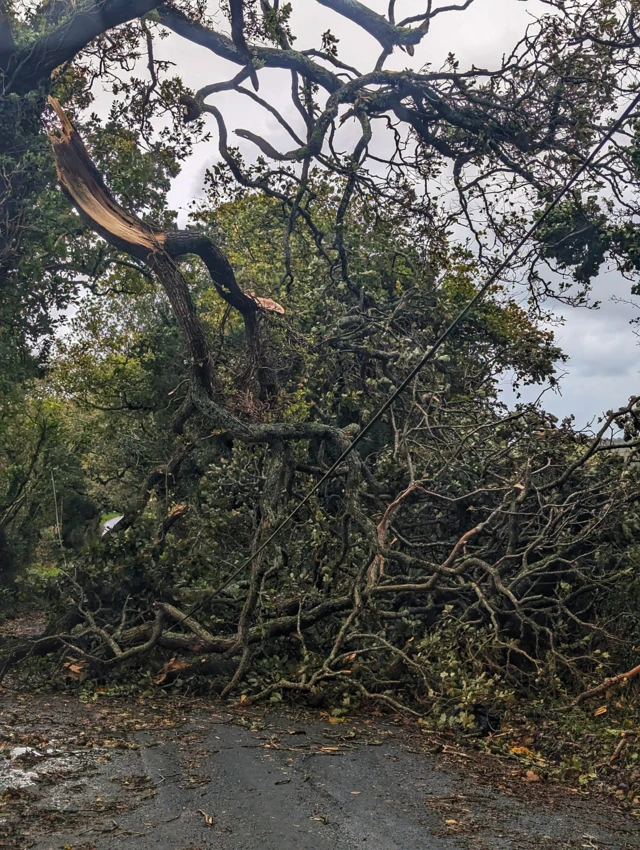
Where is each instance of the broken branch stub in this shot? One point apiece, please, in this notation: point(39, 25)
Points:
point(87, 191)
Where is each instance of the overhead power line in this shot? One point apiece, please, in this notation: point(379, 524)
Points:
point(477, 298)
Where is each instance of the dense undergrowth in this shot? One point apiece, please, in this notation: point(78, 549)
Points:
point(203, 381)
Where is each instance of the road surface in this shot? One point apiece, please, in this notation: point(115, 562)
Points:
point(197, 777)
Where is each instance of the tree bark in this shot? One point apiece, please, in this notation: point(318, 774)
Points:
point(7, 44)
point(25, 69)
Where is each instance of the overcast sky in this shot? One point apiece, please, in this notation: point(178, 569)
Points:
point(603, 370)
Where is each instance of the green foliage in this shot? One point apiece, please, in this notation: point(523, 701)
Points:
point(122, 370)
point(43, 503)
point(48, 264)
point(466, 553)
point(577, 234)
point(34, 216)
point(581, 235)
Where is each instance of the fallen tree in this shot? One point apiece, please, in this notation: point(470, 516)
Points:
point(465, 550)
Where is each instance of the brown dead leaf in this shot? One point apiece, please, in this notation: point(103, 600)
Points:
point(176, 511)
point(170, 667)
point(601, 710)
point(522, 751)
point(531, 776)
point(74, 669)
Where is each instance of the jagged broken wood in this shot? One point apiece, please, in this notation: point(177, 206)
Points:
point(86, 189)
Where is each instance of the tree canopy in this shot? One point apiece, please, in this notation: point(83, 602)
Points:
point(200, 380)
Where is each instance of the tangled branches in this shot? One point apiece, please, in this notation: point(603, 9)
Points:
point(462, 547)
point(495, 559)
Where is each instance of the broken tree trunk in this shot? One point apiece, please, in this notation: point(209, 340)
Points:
point(85, 187)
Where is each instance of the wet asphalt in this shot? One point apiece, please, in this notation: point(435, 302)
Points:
point(207, 783)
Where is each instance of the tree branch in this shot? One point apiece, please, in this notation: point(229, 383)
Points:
point(29, 67)
point(376, 25)
point(237, 34)
point(267, 56)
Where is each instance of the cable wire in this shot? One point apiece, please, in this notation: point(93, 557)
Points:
point(480, 294)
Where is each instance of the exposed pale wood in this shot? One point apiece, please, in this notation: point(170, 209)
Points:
point(87, 190)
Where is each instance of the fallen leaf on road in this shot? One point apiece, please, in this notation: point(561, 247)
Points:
point(522, 751)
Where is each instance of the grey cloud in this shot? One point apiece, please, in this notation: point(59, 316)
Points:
point(604, 358)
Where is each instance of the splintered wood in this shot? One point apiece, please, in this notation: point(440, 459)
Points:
point(84, 185)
